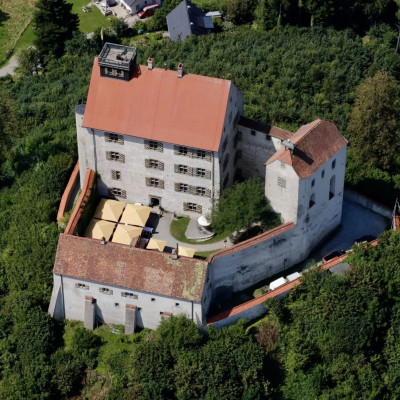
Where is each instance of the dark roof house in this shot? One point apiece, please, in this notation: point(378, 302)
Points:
point(186, 19)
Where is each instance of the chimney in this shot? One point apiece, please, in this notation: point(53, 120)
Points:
point(150, 63)
point(180, 70)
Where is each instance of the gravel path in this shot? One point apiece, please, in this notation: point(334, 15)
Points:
point(10, 67)
point(163, 233)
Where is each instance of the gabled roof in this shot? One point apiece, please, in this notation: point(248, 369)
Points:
point(186, 19)
point(315, 143)
point(271, 130)
point(157, 105)
point(129, 267)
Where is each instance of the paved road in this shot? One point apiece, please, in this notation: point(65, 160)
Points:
point(10, 67)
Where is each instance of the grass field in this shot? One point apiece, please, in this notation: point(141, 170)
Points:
point(16, 31)
point(15, 16)
point(88, 22)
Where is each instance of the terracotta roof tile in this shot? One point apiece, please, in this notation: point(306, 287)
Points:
point(271, 130)
point(157, 105)
point(315, 143)
point(130, 267)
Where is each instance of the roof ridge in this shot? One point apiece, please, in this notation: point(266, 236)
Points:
point(318, 122)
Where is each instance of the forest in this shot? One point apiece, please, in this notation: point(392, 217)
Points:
point(332, 337)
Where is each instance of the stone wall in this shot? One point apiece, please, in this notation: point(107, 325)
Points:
point(68, 301)
point(366, 202)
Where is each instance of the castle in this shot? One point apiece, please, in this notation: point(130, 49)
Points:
point(167, 138)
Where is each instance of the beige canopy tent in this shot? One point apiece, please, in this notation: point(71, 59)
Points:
point(155, 244)
point(125, 234)
point(135, 214)
point(99, 228)
point(186, 251)
point(110, 210)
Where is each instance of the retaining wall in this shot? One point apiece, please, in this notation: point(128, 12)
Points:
point(69, 190)
point(358, 198)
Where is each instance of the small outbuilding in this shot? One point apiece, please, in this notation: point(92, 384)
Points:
point(186, 19)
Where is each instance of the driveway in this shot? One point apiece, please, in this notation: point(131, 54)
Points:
point(10, 67)
point(357, 221)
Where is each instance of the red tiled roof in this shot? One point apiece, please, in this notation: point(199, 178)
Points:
point(157, 105)
point(265, 128)
point(315, 143)
point(130, 267)
point(252, 241)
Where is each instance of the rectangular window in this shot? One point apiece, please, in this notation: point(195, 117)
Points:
point(183, 187)
point(192, 206)
point(113, 138)
point(155, 182)
point(201, 154)
point(333, 164)
point(267, 137)
point(322, 173)
point(182, 169)
point(129, 295)
point(155, 164)
point(281, 182)
point(253, 133)
point(105, 290)
point(153, 145)
point(283, 165)
point(230, 117)
point(182, 150)
point(200, 172)
point(117, 192)
point(81, 286)
point(116, 175)
point(114, 156)
point(201, 191)
point(313, 183)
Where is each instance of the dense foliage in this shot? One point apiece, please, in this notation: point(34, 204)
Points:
point(375, 123)
point(332, 338)
point(242, 206)
point(54, 25)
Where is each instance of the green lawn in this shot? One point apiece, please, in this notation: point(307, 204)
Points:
point(88, 22)
point(26, 39)
point(15, 15)
point(178, 229)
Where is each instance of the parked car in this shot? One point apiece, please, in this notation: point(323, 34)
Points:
point(334, 254)
point(147, 11)
point(365, 238)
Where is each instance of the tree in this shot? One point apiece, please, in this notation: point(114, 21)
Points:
point(28, 62)
point(240, 207)
point(240, 11)
point(375, 122)
point(54, 25)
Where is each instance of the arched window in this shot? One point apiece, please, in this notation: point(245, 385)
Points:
point(332, 187)
point(312, 201)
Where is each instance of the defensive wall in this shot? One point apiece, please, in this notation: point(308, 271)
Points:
point(358, 198)
point(68, 192)
point(256, 307)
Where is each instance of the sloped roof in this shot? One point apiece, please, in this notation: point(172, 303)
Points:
point(186, 19)
point(157, 105)
point(130, 267)
point(315, 143)
point(271, 130)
